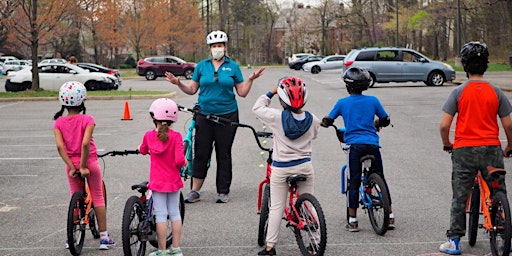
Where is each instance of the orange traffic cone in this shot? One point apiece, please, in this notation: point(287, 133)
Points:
point(126, 112)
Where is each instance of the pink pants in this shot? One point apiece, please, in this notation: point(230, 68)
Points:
point(94, 180)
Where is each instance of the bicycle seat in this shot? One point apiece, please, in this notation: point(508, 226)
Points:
point(142, 187)
point(292, 180)
point(364, 158)
point(493, 171)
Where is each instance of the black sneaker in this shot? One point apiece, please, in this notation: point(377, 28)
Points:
point(352, 227)
point(192, 197)
point(265, 252)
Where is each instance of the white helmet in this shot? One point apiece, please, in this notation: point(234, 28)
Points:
point(72, 94)
point(216, 37)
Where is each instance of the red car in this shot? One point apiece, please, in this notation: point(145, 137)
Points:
point(156, 66)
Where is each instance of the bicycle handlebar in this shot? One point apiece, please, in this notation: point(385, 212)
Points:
point(120, 153)
point(211, 117)
point(223, 121)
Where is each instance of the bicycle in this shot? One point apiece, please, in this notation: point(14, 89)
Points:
point(373, 191)
point(188, 144)
point(310, 219)
point(494, 206)
point(303, 214)
point(139, 224)
point(81, 212)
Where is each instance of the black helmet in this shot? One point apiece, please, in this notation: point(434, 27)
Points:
point(357, 78)
point(473, 50)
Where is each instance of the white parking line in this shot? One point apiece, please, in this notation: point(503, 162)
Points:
point(8, 105)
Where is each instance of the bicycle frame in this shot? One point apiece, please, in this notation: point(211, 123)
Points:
point(187, 170)
point(485, 199)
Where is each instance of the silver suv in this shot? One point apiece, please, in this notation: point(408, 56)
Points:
point(393, 64)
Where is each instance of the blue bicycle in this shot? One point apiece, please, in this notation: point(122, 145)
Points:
point(139, 225)
point(373, 192)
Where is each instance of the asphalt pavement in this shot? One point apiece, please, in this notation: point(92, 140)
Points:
point(34, 192)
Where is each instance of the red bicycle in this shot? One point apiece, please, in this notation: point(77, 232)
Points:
point(304, 215)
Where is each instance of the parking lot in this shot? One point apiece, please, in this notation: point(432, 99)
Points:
point(34, 192)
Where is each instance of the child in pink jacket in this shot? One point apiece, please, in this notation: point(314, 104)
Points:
point(165, 147)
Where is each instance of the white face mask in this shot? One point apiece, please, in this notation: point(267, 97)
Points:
point(218, 53)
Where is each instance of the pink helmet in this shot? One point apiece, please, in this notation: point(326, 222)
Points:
point(164, 109)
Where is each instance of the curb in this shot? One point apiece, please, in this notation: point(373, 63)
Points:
point(123, 97)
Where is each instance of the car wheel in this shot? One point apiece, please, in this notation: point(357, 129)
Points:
point(188, 74)
point(150, 75)
point(372, 80)
point(92, 85)
point(26, 86)
point(315, 69)
point(435, 78)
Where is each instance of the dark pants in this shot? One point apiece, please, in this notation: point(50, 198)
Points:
point(208, 134)
point(465, 164)
point(355, 168)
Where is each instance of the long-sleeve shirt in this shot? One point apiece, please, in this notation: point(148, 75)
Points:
point(285, 149)
point(167, 159)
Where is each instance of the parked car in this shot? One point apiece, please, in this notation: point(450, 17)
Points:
point(329, 62)
point(4, 58)
point(156, 66)
point(394, 64)
point(14, 65)
point(46, 61)
point(98, 68)
point(297, 56)
point(297, 65)
point(53, 75)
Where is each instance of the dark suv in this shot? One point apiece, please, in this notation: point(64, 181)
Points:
point(153, 67)
point(395, 64)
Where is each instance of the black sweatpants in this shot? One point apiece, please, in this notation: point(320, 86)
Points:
point(210, 134)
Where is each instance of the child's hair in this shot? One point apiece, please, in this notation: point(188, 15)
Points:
point(163, 130)
point(61, 111)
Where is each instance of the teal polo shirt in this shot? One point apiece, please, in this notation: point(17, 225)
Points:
point(216, 91)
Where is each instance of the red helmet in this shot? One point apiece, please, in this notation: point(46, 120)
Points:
point(292, 91)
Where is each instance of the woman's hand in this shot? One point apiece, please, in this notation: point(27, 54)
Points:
point(171, 78)
point(256, 74)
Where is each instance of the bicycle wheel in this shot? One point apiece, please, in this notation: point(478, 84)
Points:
point(168, 241)
point(263, 225)
point(133, 216)
point(379, 210)
point(500, 219)
point(474, 214)
point(75, 226)
point(312, 238)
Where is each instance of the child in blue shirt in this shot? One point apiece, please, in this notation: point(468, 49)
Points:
point(358, 112)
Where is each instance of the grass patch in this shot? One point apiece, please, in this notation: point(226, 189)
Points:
point(43, 93)
point(129, 72)
point(493, 67)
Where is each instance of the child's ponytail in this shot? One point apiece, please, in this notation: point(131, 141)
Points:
point(163, 129)
point(59, 114)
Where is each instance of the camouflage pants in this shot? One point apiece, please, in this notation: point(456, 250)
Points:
point(465, 165)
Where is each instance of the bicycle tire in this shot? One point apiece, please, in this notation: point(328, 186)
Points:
point(75, 228)
point(133, 216)
point(500, 219)
point(379, 210)
point(93, 222)
point(265, 208)
point(312, 239)
point(474, 214)
point(168, 240)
